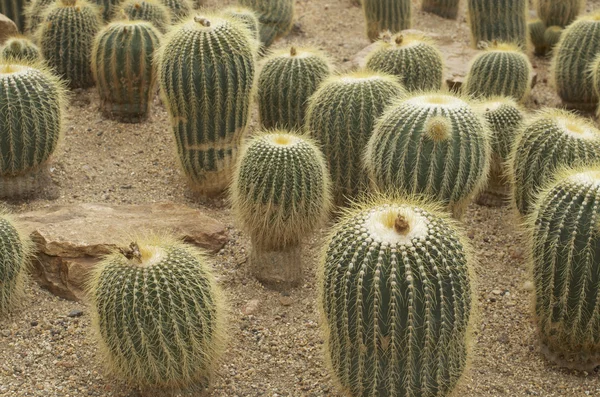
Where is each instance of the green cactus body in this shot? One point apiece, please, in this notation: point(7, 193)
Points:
point(577, 48)
point(15, 249)
point(107, 8)
point(20, 48)
point(411, 57)
point(384, 15)
point(245, 15)
point(444, 8)
point(14, 9)
point(148, 10)
point(550, 140)
point(537, 29)
point(397, 300)
point(280, 194)
point(158, 315)
point(343, 135)
point(208, 105)
point(34, 11)
point(565, 246)
point(285, 83)
point(559, 12)
point(66, 37)
point(179, 9)
point(275, 17)
point(501, 70)
point(122, 65)
point(494, 20)
point(552, 36)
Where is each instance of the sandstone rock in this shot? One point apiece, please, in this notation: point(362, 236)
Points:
point(71, 239)
point(7, 28)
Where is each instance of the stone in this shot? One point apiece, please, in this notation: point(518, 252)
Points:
point(75, 313)
point(7, 28)
point(251, 307)
point(71, 239)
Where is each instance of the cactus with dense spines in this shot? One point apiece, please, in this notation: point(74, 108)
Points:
point(275, 17)
point(343, 135)
point(387, 15)
point(563, 234)
point(397, 300)
point(147, 10)
point(501, 70)
point(444, 8)
point(107, 8)
point(20, 48)
point(430, 144)
point(14, 9)
point(412, 57)
point(66, 37)
point(15, 248)
point(559, 12)
point(158, 315)
point(122, 66)
point(179, 9)
point(245, 15)
point(280, 193)
point(286, 81)
point(33, 14)
point(550, 140)
point(210, 115)
point(537, 29)
point(494, 20)
point(552, 36)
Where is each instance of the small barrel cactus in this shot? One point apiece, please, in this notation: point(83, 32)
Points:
point(552, 36)
point(384, 15)
point(33, 14)
point(275, 17)
point(551, 140)
point(431, 144)
point(147, 10)
point(158, 315)
point(537, 29)
point(397, 300)
point(245, 15)
point(343, 135)
point(280, 193)
point(559, 12)
point(14, 9)
point(66, 37)
point(208, 119)
point(563, 233)
point(412, 57)
point(493, 20)
point(15, 248)
point(444, 8)
point(286, 81)
point(179, 9)
point(20, 48)
point(501, 70)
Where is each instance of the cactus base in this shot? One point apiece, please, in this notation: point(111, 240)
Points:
point(491, 198)
point(125, 113)
point(578, 360)
point(448, 10)
point(278, 270)
point(24, 186)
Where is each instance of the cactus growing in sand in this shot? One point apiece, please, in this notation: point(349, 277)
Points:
point(559, 12)
point(444, 8)
point(14, 10)
point(245, 15)
point(15, 247)
point(536, 29)
point(275, 17)
point(384, 15)
point(20, 48)
point(147, 10)
point(493, 20)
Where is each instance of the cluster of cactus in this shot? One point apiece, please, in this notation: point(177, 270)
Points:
point(15, 249)
point(14, 10)
point(412, 57)
point(493, 20)
point(246, 16)
point(444, 8)
point(343, 135)
point(33, 14)
point(275, 18)
point(396, 315)
point(151, 11)
point(280, 193)
point(20, 48)
point(387, 15)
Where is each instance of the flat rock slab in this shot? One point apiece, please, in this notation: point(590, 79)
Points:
point(72, 239)
point(7, 28)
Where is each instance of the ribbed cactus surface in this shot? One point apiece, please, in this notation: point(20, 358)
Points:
point(559, 12)
point(444, 8)
point(384, 15)
point(14, 256)
point(179, 9)
point(245, 15)
point(504, 21)
point(275, 17)
point(537, 28)
point(20, 48)
point(33, 14)
point(397, 300)
point(107, 8)
point(14, 9)
point(148, 10)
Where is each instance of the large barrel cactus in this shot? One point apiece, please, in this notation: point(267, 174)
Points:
point(147, 10)
point(15, 248)
point(158, 315)
point(444, 8)
point(504, 21)
point(33, 14)
point(245, 15)
point(15, 10)
point(20, 48)
point(384, 15)
point(206, 73)
point(275, 16)
point(559, 12)
point(397, 300)
point(343, 135)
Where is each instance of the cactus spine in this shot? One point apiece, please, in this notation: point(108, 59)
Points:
point(384, 15)
point(444, 8)
point(343, 135)
point(13, 9)
point(20, 48)
point(208, 119)
point(412, 57)
point(285, 83)
point(537, 29)
point(396, 314)
point(157, 315)
point(559, 13)
point(493, 20)
point(245, 15)
point(33, 14)
point(275, 17)
point(148, 10)
point(15, 248)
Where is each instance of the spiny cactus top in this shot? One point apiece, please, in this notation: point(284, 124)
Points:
point(33, 14)
point(148, 10)
point(384, 15)
point(397, 299)
point(20, 48)
point(275, 16)
point(15, 248)
point(504, 20)
point(412, 57)
point(559, 12)
point(245, 15)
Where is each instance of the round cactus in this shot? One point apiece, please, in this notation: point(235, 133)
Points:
point(286, 81)
point(397, 300)
point(158, 315)
point(493, 20)
point(107, 8)
point(412, 57)
point(14, 10)
point(550, 140)
point(343, 135)
point(444, 8)
point(148, 10)
point(537, 29)
point(208, 119)
point(501, 70)
point(280, 193)
point(15, 247)
point(179, 9)
point(563, 236)
point(552, 36)
point(20, 48)
point(66, 37)
point(384, 15)
point(275, 17)
point(33, 14)
point(245, 15)
point(559, 13)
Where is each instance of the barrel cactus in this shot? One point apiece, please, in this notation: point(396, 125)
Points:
point(412, 57)
point(158, 315)
point(275, 17)
point(14, 9)
point(559, 12)
point(397, 300)
point(280, 193)
point(537, 29)
point(245, 15)
point(209, 116)
point(20, 48)
point(552, 36)
point(148, 10)
point(178, 9)
point(15, 248)
point(504, 21)
point(286, 81)
point(384, 15)
point(343, 135)
point(444, 8)
point(107, 8)
point(431, 144)
point(550, 140)
point(33, 14)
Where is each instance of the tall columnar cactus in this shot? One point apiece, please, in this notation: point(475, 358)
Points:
point(537, 29)
point(148, 10)
point(431, 144)
point(552, 36)
point(286, 81)
point(123, 70)
point(275, 17)
point(179, 9)
point(15, 248)
point(397, 300)
point(564, 241)
point(31, 111)
point(412, 57)
point(33, 12)
point(579, 44)
point(20, 48)
point(550, 140)
point(210, 115)
point(501, 70)
point(343, 135)
point(384, 15)
point(158, 315)
point(444, 8)
point(14, 9)
point(280, 193)
point(245, 15)
point(66, 37)
point(492, 20)
point(559, 12)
